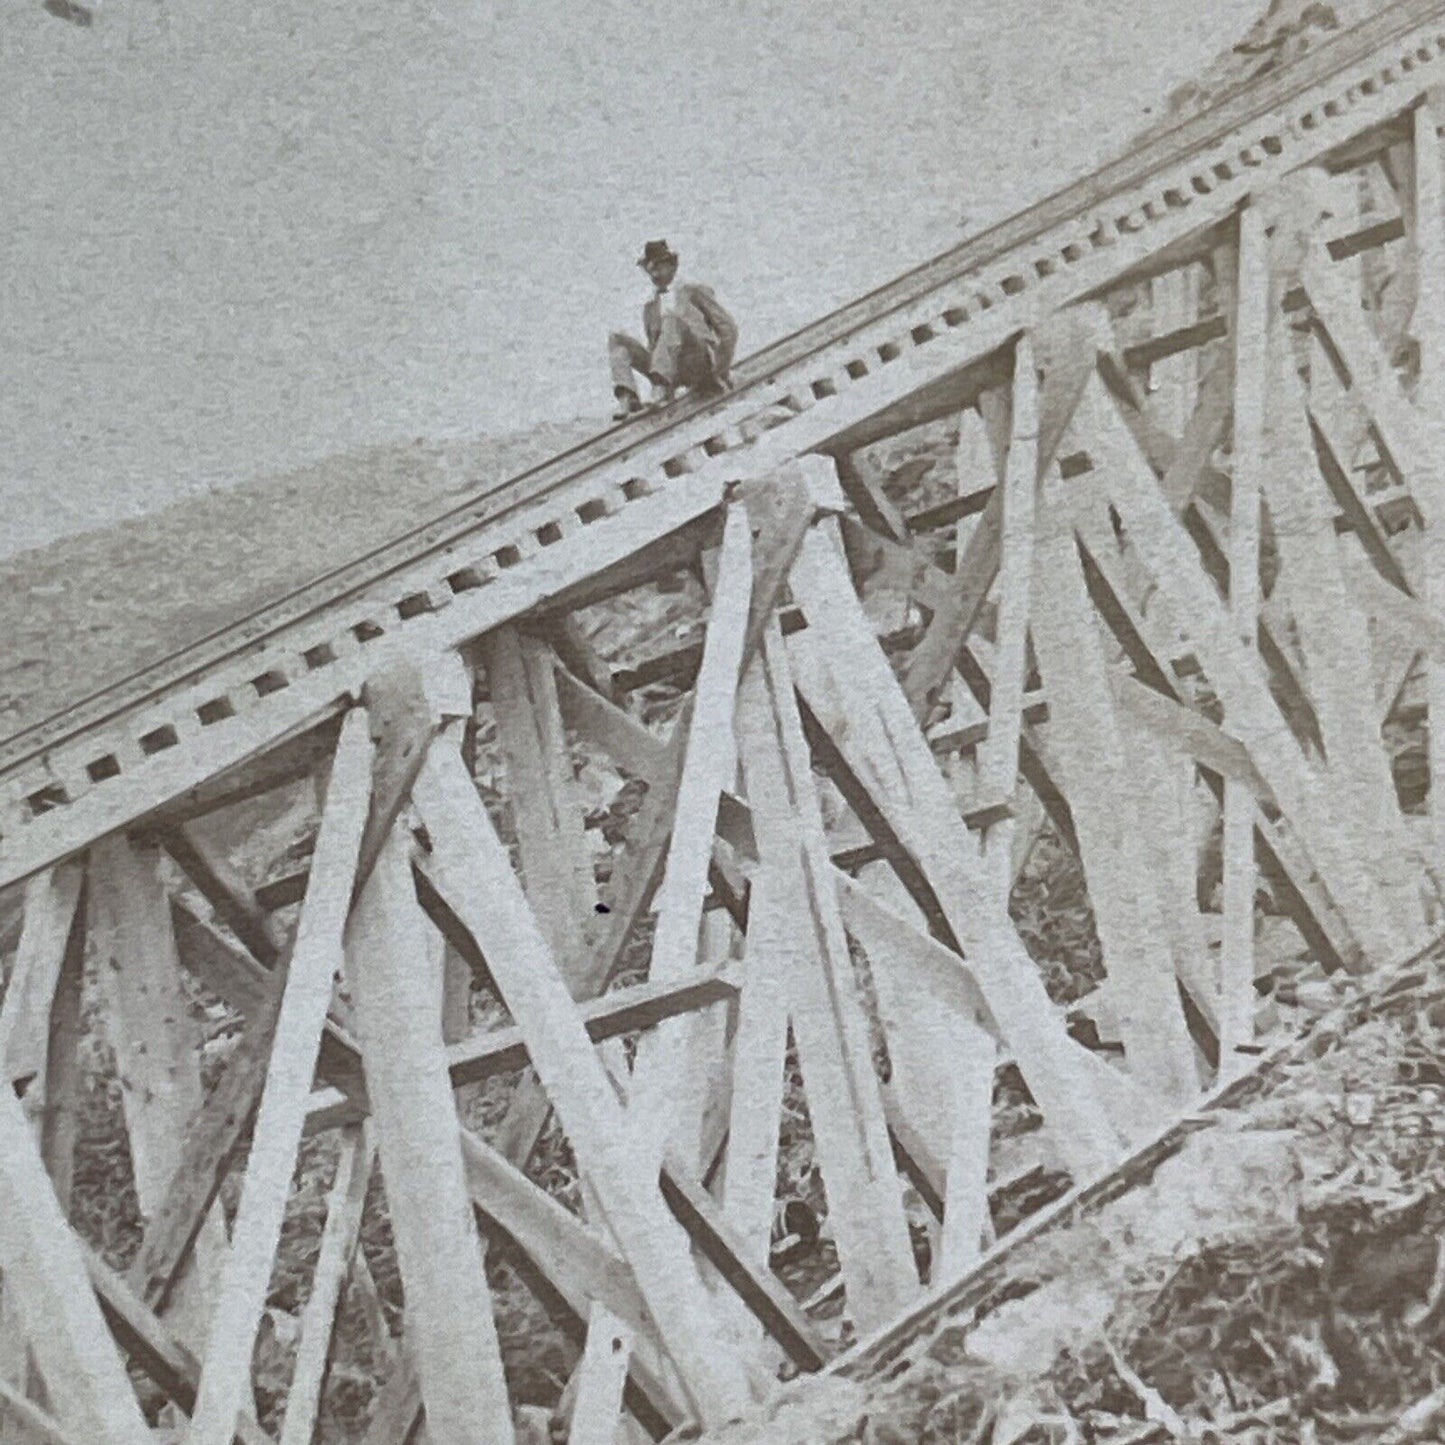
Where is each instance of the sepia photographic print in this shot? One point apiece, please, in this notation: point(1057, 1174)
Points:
point(718, 722)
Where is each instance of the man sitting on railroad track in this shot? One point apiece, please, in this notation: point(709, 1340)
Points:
point(690, 339)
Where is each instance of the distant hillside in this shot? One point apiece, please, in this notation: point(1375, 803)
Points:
point(86, 610)
point(1286, 30)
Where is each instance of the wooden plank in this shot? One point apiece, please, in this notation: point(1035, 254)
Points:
point(1066, 345)
point(50, 914)
point(407, 701)
point(339, 1239)
point(709, 769)
point(871, 724)
point(217, 964)
point(150, 1344)
point(209, 1149)
point(966, 1218)
point(1253, 301)
point(581, 1264)
point(602, 1375)
point(862, 485)
point(449, 1307)
point(768, 1299)
point(224, 890)
point(1337, 433)
point(998, 755)
point(1429, 329)
point(547, 813)
point(760, 1045)
point(1334, 637)
point(631, 744)
point(38, 1032)
point(1099, 781)
point(640, 751)
point(865, 1201)
point(156, 1045)
point(1148, 636)
point(576, 656)
point(931, 661)
point(1237, 679)
point(1408, 443)
point(316, 959)
point(472, 869)
point(287, 762)
point(53, 1097)
point(36, 1426)
point(46, 1286)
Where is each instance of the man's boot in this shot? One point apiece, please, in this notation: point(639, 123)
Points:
point(628, 403)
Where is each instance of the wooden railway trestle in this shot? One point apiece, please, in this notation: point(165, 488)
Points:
point(1187, 580)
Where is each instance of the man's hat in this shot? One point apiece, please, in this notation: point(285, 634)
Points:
point(656, 251)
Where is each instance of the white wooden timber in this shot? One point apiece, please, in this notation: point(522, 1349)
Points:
point(47, 1287)
point(471, 867)
point(850, 688)
point(156, 1044)
point(340, 1236)
point(1239, 682)
point(556, 865)
point(709, 769)
point(1429, 328)
point(760, 1042)
point(1254, 296)
point(450, 1328)
point(998, 758)
point(1334, 637)
point(602, 1374)
point(865, 1194)
point(25, 1028)
point(50, 902)
point(1100, 784)
point(316, 961)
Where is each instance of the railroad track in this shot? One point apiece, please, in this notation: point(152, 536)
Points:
point(885, 361)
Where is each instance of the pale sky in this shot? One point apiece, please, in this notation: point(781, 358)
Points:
point(240, 238)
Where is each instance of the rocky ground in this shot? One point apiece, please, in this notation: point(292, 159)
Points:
point(1278, 1280)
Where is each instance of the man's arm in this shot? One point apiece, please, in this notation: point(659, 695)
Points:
point(723, 325)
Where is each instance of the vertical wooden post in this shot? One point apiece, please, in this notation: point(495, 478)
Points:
point(1090, 753)
point(709, 768)
point(450, 1326)
point(844, 1102)
point(556, 866)
point(598, 1405)
point(1174, 298)
point(50, 903)
point(999, 752)
point(316, 960)
point(1429, 328)
point(339, 1240)
point(51, 945)
point(1251, 337)
point(156, 1045)
point(850, 688)
point(759, 1047)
